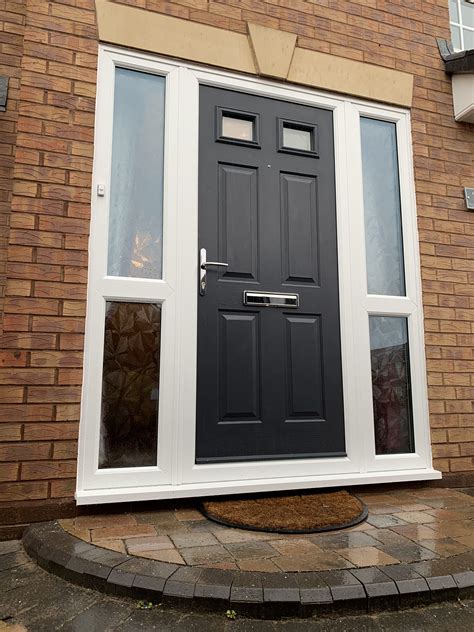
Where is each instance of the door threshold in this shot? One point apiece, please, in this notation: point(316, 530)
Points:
point(190, 490)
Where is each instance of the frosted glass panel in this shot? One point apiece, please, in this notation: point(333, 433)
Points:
point(294, 138)
point(136, 196)
point(130, 385)
point(391, 389)
point(239, 128)
point(382, 211)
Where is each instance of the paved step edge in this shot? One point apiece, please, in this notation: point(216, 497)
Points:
point(262, 595)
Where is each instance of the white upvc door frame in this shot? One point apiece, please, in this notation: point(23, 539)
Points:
point(177, 474)
point(409, 306)
point(102, 288)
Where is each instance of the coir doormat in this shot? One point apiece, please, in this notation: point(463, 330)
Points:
point(294, 513)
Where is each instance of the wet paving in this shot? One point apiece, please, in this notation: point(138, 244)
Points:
point(32, 600)
point(404, 525)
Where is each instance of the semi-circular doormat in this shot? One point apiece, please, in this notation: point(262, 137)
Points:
point(293, 513)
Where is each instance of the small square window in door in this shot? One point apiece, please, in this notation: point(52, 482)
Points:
point(237, 127)
point(297, 138)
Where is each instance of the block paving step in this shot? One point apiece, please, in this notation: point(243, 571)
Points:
point(415, 548)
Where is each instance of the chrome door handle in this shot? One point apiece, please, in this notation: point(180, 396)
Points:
point(213, 263)
point(203, 264)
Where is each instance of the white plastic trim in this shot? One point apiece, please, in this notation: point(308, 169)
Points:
point(176, 474)
point(249, 486)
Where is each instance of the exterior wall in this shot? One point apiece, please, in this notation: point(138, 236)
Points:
point(47, 254)
point(12, 21)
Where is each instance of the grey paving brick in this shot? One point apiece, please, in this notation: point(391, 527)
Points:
point(280, 587)
point(182, 583)
point(214, 583)
point(247, 587)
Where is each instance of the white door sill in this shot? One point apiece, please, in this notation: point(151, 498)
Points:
point(162, 492)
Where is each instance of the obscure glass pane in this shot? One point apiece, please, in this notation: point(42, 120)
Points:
point(239, 128)
point(456, 37)
point(382, 210)
point(468, 39)
point(295, 138)
point(453, 11)
point(136, 196)
point(130, 385)
point(467, 14)
point(391, 389)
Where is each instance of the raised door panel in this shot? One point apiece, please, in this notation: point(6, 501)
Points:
point(304, 368)
point(239, 367)
point(238, 220)
point(299, 226)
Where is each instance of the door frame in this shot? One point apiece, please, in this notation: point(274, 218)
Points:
point(176, 473)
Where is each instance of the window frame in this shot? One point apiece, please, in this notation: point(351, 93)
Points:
point(176, 473)
point(410, 305)
point(307, 127)
point(462, 27)
point(222, 112)
point(103, 288)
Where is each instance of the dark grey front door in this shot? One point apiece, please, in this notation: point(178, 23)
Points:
point(269, 377)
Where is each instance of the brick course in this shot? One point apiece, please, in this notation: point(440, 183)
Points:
point(12, 20)
point(51, 113)
point(41, 361)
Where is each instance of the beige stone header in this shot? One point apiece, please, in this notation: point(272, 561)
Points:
point(265, 52)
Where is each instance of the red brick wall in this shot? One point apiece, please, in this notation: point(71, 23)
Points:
point(12, 21)
point(47, 255)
